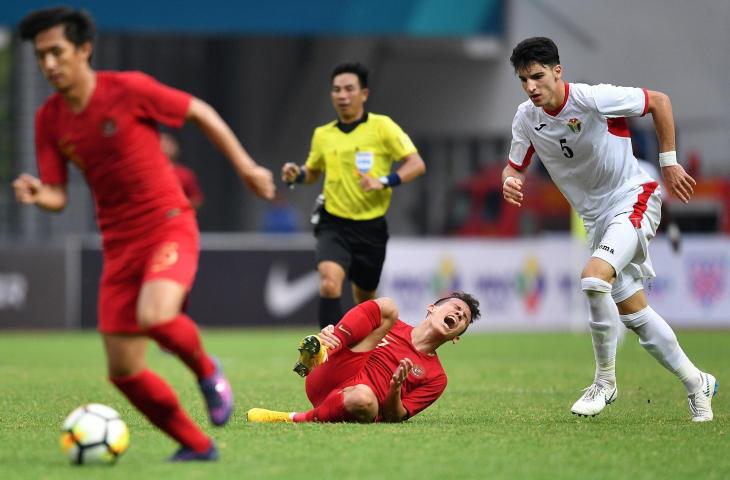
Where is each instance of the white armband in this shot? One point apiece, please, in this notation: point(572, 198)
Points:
point(667, 159)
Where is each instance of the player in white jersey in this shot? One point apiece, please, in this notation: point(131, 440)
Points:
point(579, 133)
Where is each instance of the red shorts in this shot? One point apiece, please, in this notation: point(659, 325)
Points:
point(343, 369)
point(170, 253)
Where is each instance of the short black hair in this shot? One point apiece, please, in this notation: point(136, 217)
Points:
point(467, 298)
point(357, 68)
point(78, 25)
point(539, 50)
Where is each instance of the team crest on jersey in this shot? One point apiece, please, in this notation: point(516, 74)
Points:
point(574, 125)
point(417, 371)
point(108, 127)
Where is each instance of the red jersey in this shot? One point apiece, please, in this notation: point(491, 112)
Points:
point(424, 384)
point(115, 143)
point(374, 368)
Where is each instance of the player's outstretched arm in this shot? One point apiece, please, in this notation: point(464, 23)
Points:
point(512, 180)
point(29, 190)
point(678, 182)
point(393, 409)
point(259, 179)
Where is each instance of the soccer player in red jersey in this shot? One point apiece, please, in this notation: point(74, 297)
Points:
point(186, 176)
point(372, 367)
point(106, 124)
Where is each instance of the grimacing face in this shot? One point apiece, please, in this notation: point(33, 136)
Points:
point(59, 59)
point(348, 97)
point(541, 83)
point(451, 317)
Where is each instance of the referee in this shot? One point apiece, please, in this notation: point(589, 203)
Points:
point(356, 153)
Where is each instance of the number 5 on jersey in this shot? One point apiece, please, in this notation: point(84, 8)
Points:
point(567, 152)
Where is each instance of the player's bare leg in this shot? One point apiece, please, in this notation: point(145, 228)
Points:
point(331, 276)
point(125, 354)
point(361, 403)
point(159, 301)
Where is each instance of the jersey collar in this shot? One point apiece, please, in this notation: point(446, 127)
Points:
point(348, 127)
point(553, 113)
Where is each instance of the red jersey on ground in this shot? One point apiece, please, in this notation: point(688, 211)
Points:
point(423, 386)
point(115, 143)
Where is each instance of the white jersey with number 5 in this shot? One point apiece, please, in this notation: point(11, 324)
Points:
point(585, 146)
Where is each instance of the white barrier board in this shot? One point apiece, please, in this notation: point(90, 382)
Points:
point(534, 284)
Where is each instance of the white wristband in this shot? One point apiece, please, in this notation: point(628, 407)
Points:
point(667, 159)
point(505, 182)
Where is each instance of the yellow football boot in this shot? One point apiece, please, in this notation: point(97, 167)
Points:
point(261, 415)
point(311, 354)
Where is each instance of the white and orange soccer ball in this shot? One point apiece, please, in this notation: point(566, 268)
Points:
point(94, 433)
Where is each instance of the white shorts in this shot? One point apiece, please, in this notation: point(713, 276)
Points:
point(623, 240)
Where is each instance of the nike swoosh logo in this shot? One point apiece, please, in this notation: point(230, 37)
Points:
point(282, 296)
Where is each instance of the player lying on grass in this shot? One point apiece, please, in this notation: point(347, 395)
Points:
point(372, 367)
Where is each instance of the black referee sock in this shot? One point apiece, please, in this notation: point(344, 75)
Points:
point(330, 311)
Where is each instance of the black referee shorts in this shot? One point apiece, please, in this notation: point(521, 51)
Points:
point(356, 245)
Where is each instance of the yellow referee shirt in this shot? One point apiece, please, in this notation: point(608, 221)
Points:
point(369, 149)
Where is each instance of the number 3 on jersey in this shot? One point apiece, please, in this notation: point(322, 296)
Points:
point(567, 152)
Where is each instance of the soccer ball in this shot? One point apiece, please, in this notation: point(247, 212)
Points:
point(94, 433)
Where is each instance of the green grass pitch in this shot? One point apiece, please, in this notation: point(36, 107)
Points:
point(505, 414)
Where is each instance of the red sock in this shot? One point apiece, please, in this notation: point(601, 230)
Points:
point(181, 336)
point(332, 409)
point(358, 323)
point(157, 401)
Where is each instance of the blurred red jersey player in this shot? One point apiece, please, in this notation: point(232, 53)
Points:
point(106, 123)
point(185, 176)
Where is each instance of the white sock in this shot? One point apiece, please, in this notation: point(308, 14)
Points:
point(604, 327)
point(658, 338)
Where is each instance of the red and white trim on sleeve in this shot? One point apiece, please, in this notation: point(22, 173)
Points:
point(525, 160)
point(646, 102)
point(640, 205)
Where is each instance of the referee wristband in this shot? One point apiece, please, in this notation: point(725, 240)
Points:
point(667, 159)
point(301, 176)
point(392, 180)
